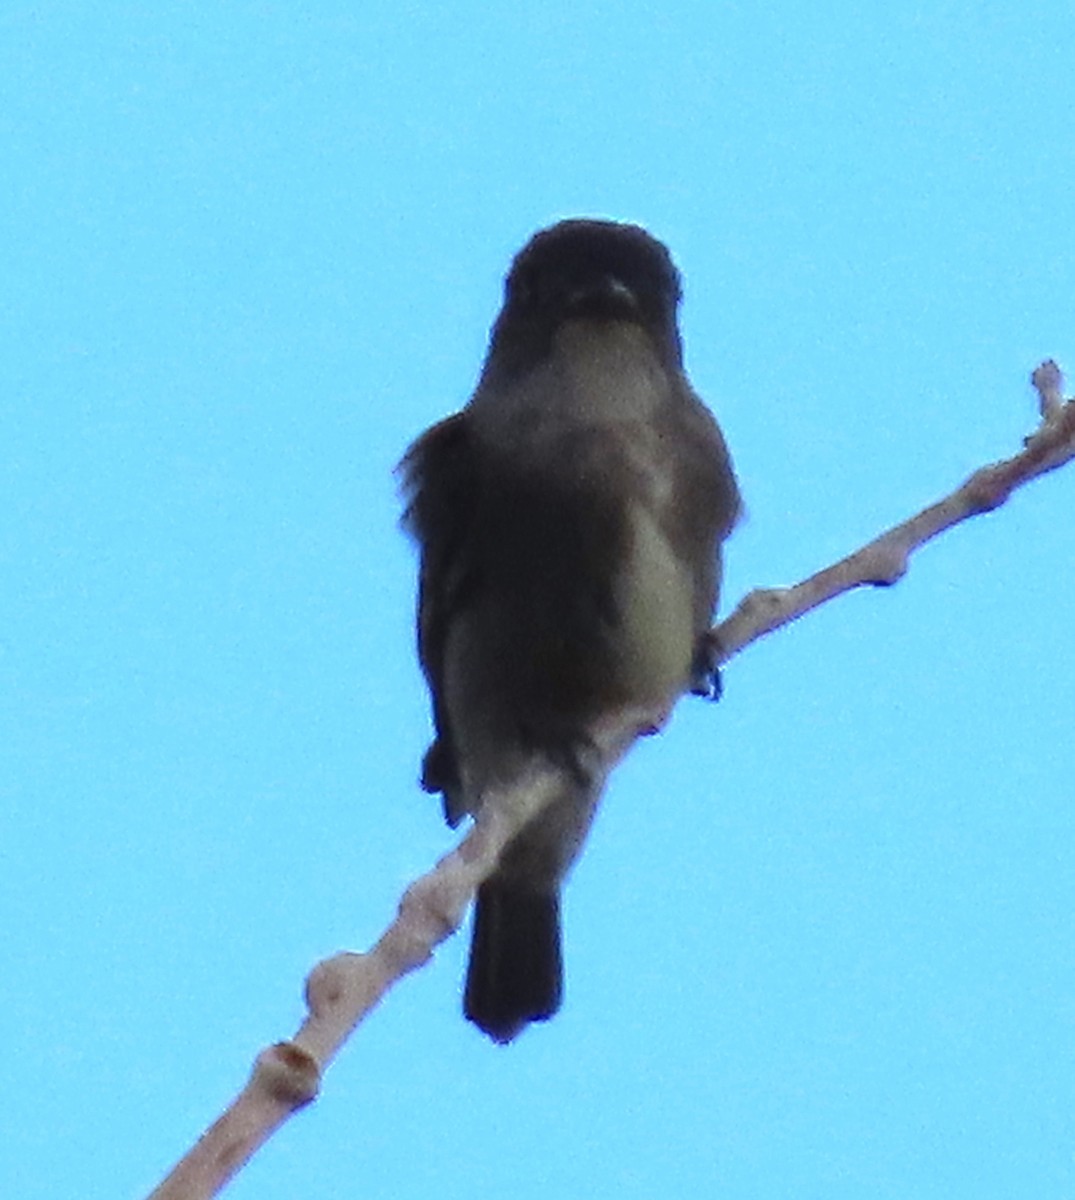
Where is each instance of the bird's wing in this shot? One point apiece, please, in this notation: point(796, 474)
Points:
point(440, 484)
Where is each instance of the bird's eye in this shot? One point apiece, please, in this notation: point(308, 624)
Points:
point(526, 287)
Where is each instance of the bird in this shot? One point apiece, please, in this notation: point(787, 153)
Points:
point(569, 521)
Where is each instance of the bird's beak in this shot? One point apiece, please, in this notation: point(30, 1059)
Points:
point(609, 294)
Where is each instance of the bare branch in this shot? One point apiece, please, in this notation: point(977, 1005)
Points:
point(341, 990)
point(883, 561)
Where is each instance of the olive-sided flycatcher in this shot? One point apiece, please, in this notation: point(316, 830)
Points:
point(570, 521)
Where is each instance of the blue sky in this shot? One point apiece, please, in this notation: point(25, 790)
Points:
point(821, 943)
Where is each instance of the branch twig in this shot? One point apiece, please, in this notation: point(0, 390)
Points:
point(884, 561)
point(341, 990)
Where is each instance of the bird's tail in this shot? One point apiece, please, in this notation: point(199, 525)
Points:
point(516, 972)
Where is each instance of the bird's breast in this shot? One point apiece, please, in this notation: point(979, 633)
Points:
point(654, 593)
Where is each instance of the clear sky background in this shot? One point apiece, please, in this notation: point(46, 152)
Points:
point(821, 943)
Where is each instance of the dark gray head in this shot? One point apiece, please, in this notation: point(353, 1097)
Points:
point(600, 270)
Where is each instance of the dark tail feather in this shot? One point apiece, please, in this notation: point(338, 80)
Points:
point(515, 974)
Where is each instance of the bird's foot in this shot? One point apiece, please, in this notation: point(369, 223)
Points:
point(705, 677)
